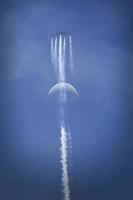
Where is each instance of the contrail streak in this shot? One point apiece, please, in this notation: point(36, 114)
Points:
point(52, 50)
point(54, 53)
point(63, 128)
point(71, 54)
point(59, 45)
point(65, 179)
point(64, 53)
point(61, 60)
point(64, 148)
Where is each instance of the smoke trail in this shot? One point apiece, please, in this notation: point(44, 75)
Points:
point(54, 55)
point(58, 57)
point(63, 128)
point(52, 51)
point(64, 53)
point(61, 61)
point(71, 54)
point(64, 147)
point(65, 179)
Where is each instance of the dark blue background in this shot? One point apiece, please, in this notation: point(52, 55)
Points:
point(101, 118)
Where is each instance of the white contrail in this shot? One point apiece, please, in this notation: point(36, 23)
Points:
point(52, 50)
point(64, 53)
point(63, 128)
point(71, 54)
point(61, 61)
point(64, 148)
point(65, 179)
point(58, 56)
point(54, 55)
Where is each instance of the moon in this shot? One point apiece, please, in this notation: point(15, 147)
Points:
point(62, 86)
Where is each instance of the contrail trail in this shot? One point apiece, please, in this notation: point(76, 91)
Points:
point(54, 53)
point(64, 147)
point(63, 130)
point(61, 60)
point(64, 53)
point(65, 179)
point(59, 45)
point(52, 50)
point(71, 54)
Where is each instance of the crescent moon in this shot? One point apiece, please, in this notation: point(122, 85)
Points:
point(61, 86)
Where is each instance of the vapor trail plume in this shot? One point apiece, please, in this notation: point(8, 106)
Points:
point(64, 148)
point(61, 61)
point(52, 50)
point(54, 54)
point(63, 128)
point(64, 53)
point(71, 54)
point(59, 45)
point(65, 179)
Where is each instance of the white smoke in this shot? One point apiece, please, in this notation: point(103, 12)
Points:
point(64, 53)
point(71, 54)
point(54, 54)
point(61, 60)
point(58, 57)
point(52, 50)
point(65, 179)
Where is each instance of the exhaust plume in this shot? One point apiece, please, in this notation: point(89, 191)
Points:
point(59, 45)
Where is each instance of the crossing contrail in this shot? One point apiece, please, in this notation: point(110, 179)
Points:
point(59, 45)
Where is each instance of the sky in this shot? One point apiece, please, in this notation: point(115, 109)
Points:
point(101, 118)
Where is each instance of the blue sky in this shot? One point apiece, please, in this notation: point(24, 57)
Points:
point(101, 118)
